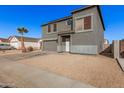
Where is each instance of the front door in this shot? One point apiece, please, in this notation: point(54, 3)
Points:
point(67, 46)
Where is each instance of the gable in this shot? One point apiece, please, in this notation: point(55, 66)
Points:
point(14, 39)
point(90, 7)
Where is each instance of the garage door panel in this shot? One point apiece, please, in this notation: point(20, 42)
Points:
point(50, 46)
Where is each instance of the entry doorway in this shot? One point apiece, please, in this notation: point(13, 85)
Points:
point(66, 43)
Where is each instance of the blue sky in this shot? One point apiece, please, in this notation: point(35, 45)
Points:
point(32, 17)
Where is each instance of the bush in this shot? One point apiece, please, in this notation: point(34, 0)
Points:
point(30, 48)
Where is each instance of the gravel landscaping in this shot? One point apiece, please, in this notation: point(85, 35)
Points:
point(99, 71)
point(96, 70)
point(15, 55)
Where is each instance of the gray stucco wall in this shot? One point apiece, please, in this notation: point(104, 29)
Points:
point(46, 34)
point(100, 34)
point(90, 42)
point(85, 42)
point(50, 46)
point(61, 27)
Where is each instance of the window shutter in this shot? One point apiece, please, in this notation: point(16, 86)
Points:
point(87, 22)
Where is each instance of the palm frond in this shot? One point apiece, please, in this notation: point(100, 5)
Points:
point(22, 30)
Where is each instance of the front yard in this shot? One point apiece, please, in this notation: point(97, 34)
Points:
point(98, 71)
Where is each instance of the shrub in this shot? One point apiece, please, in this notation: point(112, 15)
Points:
point(30, 48)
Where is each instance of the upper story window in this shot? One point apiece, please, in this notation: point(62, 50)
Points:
point(83, 23)
point(49, 28)
point(70, 23)
point(54, 27)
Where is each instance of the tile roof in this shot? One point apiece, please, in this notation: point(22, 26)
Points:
point(28, 39)
point(3, 39)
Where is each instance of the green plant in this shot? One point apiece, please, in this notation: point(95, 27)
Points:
point(22, 31)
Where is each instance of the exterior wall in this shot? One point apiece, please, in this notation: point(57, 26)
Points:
point(50, 46)
point(35, 45)
point(17, 44)
point(84, 49)
point(100, 34)
point(85, 42)
point(88, 42)
point(46, 34)
point(63, 27)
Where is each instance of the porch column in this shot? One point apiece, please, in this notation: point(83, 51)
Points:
point(59, 48)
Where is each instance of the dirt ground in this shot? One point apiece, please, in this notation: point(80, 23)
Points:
point(99, 71)
point(9, 52)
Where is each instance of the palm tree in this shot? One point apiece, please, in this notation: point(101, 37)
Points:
point(22, 31)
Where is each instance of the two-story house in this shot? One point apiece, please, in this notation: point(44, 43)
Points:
point(82, 32)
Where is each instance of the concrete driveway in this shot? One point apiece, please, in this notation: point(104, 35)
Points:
point(16, 74)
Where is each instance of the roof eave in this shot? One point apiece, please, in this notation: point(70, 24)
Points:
point(99, 10)
point(58, 20)
point(84, 8)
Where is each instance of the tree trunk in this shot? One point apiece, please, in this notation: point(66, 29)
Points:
point(22, 44)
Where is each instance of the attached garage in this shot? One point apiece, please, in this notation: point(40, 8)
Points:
point(50, 45)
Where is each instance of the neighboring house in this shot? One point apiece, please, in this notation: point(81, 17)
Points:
point(106, 43)
point(4, 41)
point(82, 32)
point(40, 42)
point(15, 41)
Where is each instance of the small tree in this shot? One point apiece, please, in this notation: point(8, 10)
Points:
point(22, 31)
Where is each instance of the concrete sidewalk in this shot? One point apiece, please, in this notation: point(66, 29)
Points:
point(30, 77)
